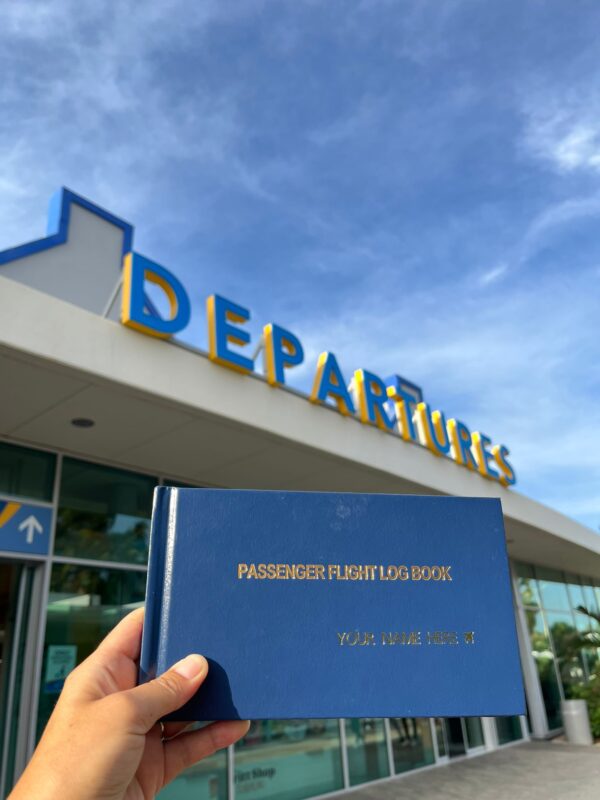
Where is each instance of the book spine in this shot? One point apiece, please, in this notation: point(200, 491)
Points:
point(155, 584)
point(168, 551)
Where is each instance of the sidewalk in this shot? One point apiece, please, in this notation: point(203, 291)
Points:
point(531, 771)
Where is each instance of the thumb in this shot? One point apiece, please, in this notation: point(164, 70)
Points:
point(170, 691)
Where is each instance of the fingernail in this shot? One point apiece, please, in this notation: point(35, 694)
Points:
point(191, 666)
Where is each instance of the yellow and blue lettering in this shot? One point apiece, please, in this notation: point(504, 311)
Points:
point(329, 382)
point(508, 476)
point(404, 402)
point(224, 317)
point(282, 349)
point(136, 271)
point(481, 442)
point(371, 397)
point(460, 439)
point(432, 429)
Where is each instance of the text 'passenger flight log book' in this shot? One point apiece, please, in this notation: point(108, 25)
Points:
point(314, 604)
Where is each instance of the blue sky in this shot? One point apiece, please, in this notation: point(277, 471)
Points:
point(413, 185)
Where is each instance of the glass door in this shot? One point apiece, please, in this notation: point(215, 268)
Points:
point(455, 737)
point(474, 733)
point(459, 735)
point(16, 581)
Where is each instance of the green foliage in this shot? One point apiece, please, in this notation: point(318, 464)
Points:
point(97, 535)
point(591, 693)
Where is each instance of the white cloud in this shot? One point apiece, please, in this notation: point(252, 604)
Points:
point(562, 124)
point(492, 275)
point(545, 228)
point(566, 142)
point(88, 99)
point(364, 115)
point(521, 366)
point(554, 218)
point(86, 102)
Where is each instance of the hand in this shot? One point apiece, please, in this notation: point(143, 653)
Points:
point(103, 739)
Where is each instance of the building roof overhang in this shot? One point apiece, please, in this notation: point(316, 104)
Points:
point(166, 409)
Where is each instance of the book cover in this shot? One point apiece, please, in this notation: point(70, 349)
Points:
point(312, 604)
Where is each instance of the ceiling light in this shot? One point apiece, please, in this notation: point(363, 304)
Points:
point(82, 422)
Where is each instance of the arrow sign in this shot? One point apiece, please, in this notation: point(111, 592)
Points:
point(24, 527)
point(32, 526)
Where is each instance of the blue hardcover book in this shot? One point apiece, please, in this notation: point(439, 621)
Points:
point(333, 605)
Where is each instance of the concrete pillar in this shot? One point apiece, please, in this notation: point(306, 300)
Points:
point(490, 733)
point(533, 690)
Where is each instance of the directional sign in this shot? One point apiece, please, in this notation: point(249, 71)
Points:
point(24, 527)
point(60, 660)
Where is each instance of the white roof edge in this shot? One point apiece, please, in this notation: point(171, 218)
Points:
point(38, 326)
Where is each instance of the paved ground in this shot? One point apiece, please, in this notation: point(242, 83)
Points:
point(531, 771)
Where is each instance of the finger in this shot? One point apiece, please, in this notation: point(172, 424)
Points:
point(111, 667)
point(188, 748)
point(126, 637)
point(151, 701)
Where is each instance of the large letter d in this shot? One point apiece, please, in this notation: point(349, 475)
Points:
point(134, 313)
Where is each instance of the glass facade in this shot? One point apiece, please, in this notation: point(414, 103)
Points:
point(367, 750)
point(26, 473)
point(508, 729)
point(103, 513)
point(565, 640)
point(84, 603)
point(98, 573)
point(412, 743)
point(440, 737)
point(288, 759)
point(12, 641)
point(474, 732)
point(206, 780)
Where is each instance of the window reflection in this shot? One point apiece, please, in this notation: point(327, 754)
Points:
point(367, 750)
point(288, 759)
point(474, 732)
point(592, 658)
point(509, 729)
point(440, 735)
point(455, 736)
point(206, 780)
point(26, 473)
point(412, 743)
point(565, 634)
point(527, 585)
point(104, 513)
point(83, 606)
point(567, 646)
point(583, 623)
point(589, 597)
point(544, 660)
point(553, 589)
point(575, 591)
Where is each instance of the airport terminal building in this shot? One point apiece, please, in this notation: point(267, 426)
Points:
point(99, 405)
